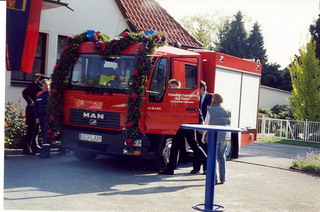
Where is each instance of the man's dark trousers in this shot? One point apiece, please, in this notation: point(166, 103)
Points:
point(197, 162)
point(29, 142)
point(178, 142)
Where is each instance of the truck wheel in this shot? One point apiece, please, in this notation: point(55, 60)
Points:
point(161, 162)
point(84, 155)
point(229, 150)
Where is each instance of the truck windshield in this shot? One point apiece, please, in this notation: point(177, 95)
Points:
point(94, 71)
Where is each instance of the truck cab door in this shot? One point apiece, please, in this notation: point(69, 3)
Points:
point(166, 109)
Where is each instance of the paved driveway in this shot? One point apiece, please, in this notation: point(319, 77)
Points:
point(109, 184)
point(273, 154)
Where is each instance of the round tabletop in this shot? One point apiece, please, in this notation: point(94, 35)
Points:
point(212, 127)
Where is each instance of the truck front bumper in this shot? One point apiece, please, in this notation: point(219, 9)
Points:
point(99, 141)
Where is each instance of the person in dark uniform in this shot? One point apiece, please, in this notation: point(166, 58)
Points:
point(30, 144)
point(178, 142)
point(205, 101)
point(39, 110)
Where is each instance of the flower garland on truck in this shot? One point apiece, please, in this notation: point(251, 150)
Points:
point(149, 40)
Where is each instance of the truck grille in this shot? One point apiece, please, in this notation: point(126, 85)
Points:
point(95, 119)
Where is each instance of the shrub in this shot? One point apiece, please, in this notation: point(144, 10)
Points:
point(314, 137)
point(280, 133)
point(310, 162)
point(282, 112)
point(14, 124)
point(265, 112)
point(277, 112)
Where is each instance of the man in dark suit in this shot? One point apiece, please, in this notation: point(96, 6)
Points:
point(205, 101)
point(29, 144)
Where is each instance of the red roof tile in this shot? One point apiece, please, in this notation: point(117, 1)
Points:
point(142, 15)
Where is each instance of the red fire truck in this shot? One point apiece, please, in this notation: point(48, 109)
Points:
point(95, 100)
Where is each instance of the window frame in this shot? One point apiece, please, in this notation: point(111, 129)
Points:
point(22, 78)
point(185, 65)
point(152, 98)
point(60, 50)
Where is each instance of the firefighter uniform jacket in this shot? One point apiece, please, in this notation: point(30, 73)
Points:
point(40, 105)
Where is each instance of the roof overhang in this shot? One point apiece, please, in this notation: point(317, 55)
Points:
point(50, 4)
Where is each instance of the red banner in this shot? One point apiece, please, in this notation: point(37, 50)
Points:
point(23, 21)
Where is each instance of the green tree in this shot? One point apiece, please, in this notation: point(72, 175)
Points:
point(305, 77)
point(230, 37)
point(223, 30)
point(255, 43)
point(315, 35)
point(273, 77)
point(270, 75)
point(233, 38)
point(285, 78)
point(202, 27)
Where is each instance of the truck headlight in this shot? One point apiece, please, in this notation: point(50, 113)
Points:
point(136, 143)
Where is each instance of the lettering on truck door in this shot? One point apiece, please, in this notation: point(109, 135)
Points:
point(168, 108)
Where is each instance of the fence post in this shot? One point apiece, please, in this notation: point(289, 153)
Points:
point(306, 131)
point(263, 126)
point(287, 128)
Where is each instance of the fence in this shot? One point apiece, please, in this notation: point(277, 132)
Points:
point(307, 131)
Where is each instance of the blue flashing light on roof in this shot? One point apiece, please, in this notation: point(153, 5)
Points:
point(149, 32)
point(90, 34)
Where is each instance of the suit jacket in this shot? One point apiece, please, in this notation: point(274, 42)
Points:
point(203, 107)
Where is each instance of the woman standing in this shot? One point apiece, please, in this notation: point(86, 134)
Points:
point(217, 115)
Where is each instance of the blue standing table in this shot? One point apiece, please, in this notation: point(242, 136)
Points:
point(211, 162)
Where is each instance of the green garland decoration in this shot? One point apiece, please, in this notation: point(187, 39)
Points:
point(104, 47)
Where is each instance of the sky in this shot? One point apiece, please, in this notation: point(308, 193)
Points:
point(284, 23)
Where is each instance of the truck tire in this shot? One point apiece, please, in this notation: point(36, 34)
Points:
point(84, 155)
point(161, 162)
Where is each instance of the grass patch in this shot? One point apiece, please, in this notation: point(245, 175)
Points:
point(309, 162)
point(292, 142)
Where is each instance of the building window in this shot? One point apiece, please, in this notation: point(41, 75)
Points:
point(62, 41)
point(24, 79)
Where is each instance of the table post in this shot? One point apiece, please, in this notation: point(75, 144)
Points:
point(211, 162)
point(211, 170)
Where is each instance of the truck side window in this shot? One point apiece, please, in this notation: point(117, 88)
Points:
point(158, 81)
point(185, 70)
point(190, 76)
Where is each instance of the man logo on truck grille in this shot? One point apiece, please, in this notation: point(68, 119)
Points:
point(93, 121)
point(93, 115)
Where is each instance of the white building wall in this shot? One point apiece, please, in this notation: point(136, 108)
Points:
point(100, 15)
point(269, 97)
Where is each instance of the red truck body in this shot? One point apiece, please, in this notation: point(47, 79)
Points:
point(95, 119)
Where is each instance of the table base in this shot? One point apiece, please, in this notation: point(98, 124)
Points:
point(215, 208)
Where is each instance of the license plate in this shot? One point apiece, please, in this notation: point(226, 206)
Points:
point(90, 137)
